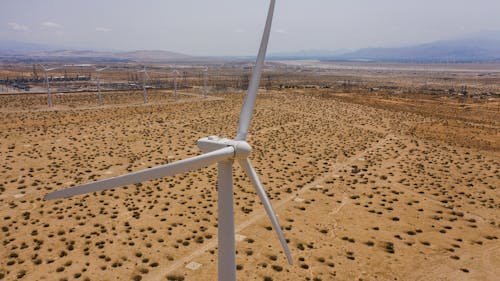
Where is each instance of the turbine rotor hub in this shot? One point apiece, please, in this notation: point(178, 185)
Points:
point(241, 148)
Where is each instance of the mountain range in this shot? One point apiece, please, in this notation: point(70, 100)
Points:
point(479, 47)
point(21, 51)
point(472, 49)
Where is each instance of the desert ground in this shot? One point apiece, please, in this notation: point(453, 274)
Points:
point(375, 175)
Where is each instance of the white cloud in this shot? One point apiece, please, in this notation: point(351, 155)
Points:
point(281, 31)
point(239, 30)
point(102, 29)
point(50, 24)
point(18, 27)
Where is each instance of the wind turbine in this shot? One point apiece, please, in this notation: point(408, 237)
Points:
point(98, 71)
point(216, 150)
point(144, 75)
point(49, 95)
point(205, 77)
point(175, 83)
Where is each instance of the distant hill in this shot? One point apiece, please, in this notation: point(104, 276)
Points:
point(21, 51)
point(138, 56)
point(476, 48)
point(17, 48)
point(155, 55)
point(480, 47)
point(307, 54)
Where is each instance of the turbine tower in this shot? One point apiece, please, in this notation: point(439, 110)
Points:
point(98, 71)
point(216, 150)
point(144, 76)
point(205, 78)
point(49, 95)
point(175, 83)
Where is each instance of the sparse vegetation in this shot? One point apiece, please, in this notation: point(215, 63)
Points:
point(397, 174)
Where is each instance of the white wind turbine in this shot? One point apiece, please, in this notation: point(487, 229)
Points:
point(98, 72)
point(205, 78)
point(49, 95)
point(144, 77)
point(175, 83)
point(216, 150)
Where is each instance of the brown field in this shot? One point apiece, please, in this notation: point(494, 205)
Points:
point(368, 185)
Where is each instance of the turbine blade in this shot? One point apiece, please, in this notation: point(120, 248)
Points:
point(249, 170)
point(178, 167)
point(253, 87)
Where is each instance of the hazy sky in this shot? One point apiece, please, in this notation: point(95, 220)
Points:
point(233, 27)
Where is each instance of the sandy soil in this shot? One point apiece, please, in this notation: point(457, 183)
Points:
point(366, 186)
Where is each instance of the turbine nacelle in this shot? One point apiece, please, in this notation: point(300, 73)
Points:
point(212, 143)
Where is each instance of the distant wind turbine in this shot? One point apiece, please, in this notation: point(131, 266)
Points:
point(49, 95)
point(98, 71)
point(144, 76)
point(175, 82)
point(205, 77)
